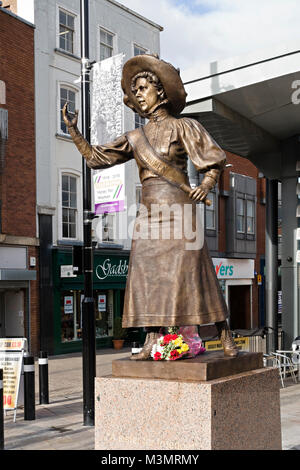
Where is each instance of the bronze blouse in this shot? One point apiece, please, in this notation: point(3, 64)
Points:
point(171, 138)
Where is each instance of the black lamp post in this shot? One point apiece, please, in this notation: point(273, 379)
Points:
point(88, 313)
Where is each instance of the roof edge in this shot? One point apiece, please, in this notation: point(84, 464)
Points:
point(134, 13)
point(8, 12)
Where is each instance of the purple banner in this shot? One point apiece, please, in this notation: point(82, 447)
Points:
point(107, 207)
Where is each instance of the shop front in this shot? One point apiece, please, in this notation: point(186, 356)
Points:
point(236, 280)
point(109, 281)
point(16, 292)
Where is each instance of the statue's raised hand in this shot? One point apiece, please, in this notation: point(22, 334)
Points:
point(70, 121)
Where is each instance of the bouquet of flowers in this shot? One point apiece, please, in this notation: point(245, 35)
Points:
point(169, 348)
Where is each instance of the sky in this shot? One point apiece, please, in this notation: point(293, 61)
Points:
point(198, 32)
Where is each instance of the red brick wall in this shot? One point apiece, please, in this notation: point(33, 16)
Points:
point(18, 184)
point(18, 181)
point(245, 167)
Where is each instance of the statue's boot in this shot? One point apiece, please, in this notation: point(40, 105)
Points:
point(224, 333)
point(145, 353)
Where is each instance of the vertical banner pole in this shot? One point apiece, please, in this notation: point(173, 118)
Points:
point(88, 312)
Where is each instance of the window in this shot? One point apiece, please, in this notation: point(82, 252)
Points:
point(66, 31)
point(137, 50)
point(240, 215)
point(69, 206)
point(210, 212)
point(108, 227)
point(139, 121)
point(71, 318)
point(250, 216)
point(69, 95)
point(106, 44)
point(138, 196)
point(245, 212)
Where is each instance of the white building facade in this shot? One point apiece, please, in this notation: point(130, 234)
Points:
point(113, 29)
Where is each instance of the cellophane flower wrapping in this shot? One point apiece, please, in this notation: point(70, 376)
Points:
point(191, 337)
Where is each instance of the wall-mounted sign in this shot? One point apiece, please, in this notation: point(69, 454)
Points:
point(227, 268)
point(67, 271)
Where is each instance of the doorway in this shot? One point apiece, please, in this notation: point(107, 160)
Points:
point(12, 306)
point(239, 303)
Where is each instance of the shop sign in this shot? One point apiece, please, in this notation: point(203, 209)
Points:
point(242, 344)
point(102, 303)
point(67, 271)
point(110, 269)
point(279, 301)
point(68, 304)
point(11, 361)
point(234, 268)
point(109, 190)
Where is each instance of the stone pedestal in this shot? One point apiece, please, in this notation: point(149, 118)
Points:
point(237, 411)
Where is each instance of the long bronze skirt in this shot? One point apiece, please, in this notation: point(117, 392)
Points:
point(171, 278)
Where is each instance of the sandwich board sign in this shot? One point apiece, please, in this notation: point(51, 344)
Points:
point(11, 361)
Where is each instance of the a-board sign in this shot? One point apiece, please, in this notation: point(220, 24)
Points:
point(11, 361)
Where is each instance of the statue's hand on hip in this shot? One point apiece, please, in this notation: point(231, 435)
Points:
point(200, 192)
point(70, 121)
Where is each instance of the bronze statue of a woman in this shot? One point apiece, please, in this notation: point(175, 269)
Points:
point(168, 284)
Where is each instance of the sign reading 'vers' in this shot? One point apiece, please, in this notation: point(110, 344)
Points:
point(227, 268)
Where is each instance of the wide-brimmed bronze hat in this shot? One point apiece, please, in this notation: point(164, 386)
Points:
point(167, 74)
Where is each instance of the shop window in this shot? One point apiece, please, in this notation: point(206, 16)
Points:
point(104, 308)
point(71, 315)
point(69, 206)
point(66, 95)
point(66, 31)
point(106, 44)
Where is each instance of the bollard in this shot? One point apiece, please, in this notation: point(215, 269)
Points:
point(1, 412)
point(43, 378)
point(29, 388)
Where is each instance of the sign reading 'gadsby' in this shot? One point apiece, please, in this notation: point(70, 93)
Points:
point(108, 269)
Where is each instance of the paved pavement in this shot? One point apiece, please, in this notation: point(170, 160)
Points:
point(59, 424)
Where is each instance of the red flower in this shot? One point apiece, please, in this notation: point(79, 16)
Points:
point(168, 338)
point(174, 353)
point(157, 356)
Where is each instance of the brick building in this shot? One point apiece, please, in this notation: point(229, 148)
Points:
point(235, 235)
point(19, 290)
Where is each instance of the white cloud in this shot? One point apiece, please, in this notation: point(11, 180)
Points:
point(197, 32)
